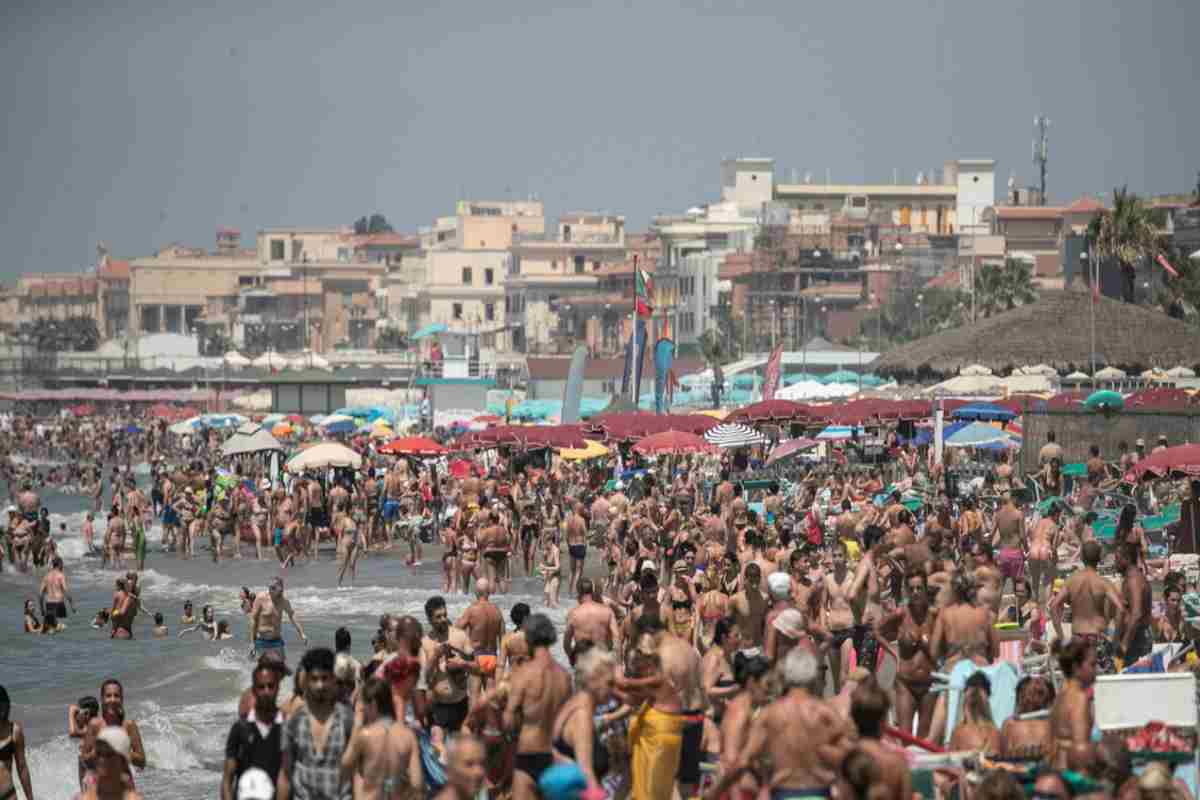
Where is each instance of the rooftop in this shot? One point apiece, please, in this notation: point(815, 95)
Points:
point(1029, 212)
point(879, 189)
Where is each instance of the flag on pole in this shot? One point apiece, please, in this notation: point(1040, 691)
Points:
point(771, 378)
point(643, 293)
point(1162, 262)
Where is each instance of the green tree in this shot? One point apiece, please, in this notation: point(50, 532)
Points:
point(1125, 233)
point(718, 349)
point(1003, 287)
point(376, 223)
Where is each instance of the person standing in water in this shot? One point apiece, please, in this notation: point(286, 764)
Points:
point(266, 622)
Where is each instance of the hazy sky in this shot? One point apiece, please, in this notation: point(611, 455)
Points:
point(144, 123)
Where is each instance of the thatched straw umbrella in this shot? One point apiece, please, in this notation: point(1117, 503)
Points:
point(1055, 330)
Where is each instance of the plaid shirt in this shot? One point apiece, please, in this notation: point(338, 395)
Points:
point(314, 776)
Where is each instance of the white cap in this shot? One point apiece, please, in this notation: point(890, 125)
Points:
point(255, 784)
point(648, 565)
point(117, 739)
point(779, 585)
point(13, 510)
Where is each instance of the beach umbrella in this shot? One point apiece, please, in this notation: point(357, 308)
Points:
point(282, 429)
point(769, 411)
point(1184, 458)
point(273, 419)
point(1110, 374)
point(983, 411)
point(1104, 400)
point(975, 370)
point(250, 440)
point(413, 446)
point(383, 431)
point(672, 443)
point(977, 434)
point(1180, 372)
point(1077, 377)
point(591, 449)
point(270, 360)
point(338, 423)
point(235, 359)
point(790, 449)
point(732, 434)
point(186, 426)
point(325, 454)
point(461, 468)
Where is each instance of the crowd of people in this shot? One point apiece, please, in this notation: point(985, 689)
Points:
point(723, 642)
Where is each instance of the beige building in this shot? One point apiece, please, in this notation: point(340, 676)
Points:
point(553, 278)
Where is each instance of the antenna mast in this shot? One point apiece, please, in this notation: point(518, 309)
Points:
point(1041, 152)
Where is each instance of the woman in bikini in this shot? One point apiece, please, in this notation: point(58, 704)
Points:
point(1071, 716)
point(348, 540)
point(713, 606)
point(32, 625)
point(753, 675)
point(913, 629)
point(551, 569)
point(12, 748)
point(468, 557)
point(449, 560)
point(977, 731)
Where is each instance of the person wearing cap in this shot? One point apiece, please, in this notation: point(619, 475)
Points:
point(253, 742)
point(1161, 445)
point(266, 621)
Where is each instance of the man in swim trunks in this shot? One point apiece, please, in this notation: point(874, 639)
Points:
point(539, 688)
point(54, 591)
point(484, 625)
point(1010, 528)
point(590, 621)
point(446, 664)
point(576, 529)
point(266, 622)
point(1090, 596)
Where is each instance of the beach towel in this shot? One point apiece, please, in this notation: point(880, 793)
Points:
point(655, 738)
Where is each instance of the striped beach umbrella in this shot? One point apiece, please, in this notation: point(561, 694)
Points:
point(733, 435)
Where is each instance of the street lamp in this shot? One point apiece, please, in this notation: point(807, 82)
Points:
point(921, 313)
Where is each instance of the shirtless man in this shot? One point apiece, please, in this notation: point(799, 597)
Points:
point(317, 519)
point(447, 661)
point(1137, 637)
point(590, 621)
point(383, 758)
point(538, 689)
point(54, 591)
point(21, 535)
point(135, 518)
point(750, 607)
point(266, 623)
point(484, 625)
point(838, 613)
point(988, 578)
point(803, 766)
point(576, 530)
point(1090, 597)
point(495, 546)
point(1010, 533)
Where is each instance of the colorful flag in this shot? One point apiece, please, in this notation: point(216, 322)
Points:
point(632, 376)
point(771, 382)
point(643, 293)
point(1167, 266)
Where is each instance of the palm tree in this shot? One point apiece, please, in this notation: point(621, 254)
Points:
point(713, 346)
point(1124, 233)
point(1003, 288)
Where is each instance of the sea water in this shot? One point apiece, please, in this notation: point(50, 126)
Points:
point(183, 693)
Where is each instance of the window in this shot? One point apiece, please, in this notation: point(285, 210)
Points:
point(245, 280)
point(595, 266)
point(566, 233)
point(277, 250)
point(458, 311)
point(579, 265)
point(443, 236)
point(553, 265)
point(467, 277)
point(297, 249)
point(343, 255)
point(489, 311)
point(489, 276)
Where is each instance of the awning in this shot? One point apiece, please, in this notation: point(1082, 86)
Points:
point(433, 329)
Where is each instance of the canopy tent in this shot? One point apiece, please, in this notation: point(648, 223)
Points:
point(977, 434)
point(235, 359)
point(591, 449)
point(325, 454)
point(672, 443)
point(1181, 372)
point(770, 411)
point(1039, 369)
point(1184, 459)
point(413, 446)
point(732, 434)
point(790, 449)
point(250, 439)
point(989, 412)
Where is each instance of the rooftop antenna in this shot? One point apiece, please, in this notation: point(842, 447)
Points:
point(1041, 151)
point(895, 176)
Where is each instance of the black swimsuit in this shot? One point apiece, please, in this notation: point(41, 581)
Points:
point(600, 759)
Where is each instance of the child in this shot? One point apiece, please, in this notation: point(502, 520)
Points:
point(101, 619)
point(160, 628)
